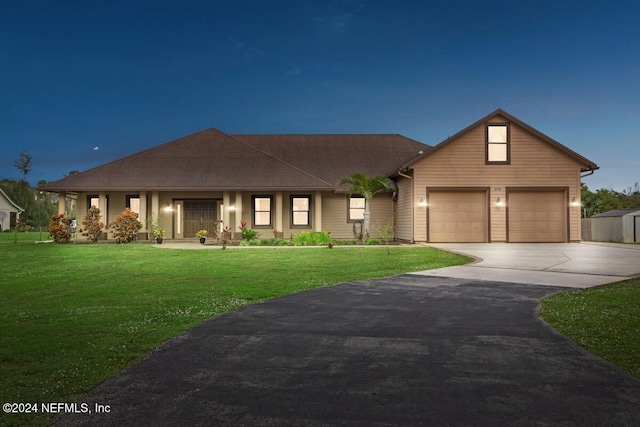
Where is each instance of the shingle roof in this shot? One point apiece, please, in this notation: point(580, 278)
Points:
point(213, 160)
point(617, 213)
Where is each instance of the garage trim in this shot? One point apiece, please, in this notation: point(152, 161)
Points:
point(486, 191)
point(567, 213)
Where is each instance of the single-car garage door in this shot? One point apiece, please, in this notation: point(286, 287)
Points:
point(537, 216)
point(458, 216)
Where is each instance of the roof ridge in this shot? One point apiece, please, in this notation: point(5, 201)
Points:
point(279, 159)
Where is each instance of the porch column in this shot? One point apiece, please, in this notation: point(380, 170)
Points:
point(226, 215)
point(62, 203)
point(142, 216)
point(102, 205)
point(238, 210)
point(155, 205)
point(278, 209)
point(317, 209)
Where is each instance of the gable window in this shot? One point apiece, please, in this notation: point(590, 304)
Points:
point(262, 208)
point(356, 208)
point(498, 143)
point(133, 203)
point(300, 211)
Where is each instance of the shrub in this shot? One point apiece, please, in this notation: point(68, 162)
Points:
point(59, 229)
point(372, 241)
point(92, 224)
point(247, 233)
point(311, 238)
point(125, 227)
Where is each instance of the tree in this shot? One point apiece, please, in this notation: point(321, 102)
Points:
point(368, 187)
point(24, 164)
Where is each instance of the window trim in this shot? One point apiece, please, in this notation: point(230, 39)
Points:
point(355, 196)
point(308, 211)
point(253, 210)
point(487, 143)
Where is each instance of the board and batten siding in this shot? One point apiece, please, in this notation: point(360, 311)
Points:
point(461, 163)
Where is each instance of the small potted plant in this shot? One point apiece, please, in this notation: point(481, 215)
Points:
point(158, 233)
point(202, 235)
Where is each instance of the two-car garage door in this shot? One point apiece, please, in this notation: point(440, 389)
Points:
point(532, 215)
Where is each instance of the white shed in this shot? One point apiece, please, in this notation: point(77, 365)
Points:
point(6, 208)
point(619, 225)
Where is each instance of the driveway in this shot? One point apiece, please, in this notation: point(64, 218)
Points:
point(406, 350)
point(575, 265)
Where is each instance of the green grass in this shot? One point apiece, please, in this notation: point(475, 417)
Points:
point(603, 320)
point(74, 315)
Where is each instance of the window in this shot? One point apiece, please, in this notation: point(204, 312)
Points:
point(300, 211)
point(498, 144)
point(93, 201)
point(262, 206)
point(356, 208)
point(133, 203)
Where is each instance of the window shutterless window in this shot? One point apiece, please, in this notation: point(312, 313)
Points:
point(133, 203)
point(498, 144)
point(300, 211)
point(262, 208)
point(356, 208)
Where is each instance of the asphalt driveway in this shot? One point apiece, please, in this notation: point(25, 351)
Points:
point(406, 350)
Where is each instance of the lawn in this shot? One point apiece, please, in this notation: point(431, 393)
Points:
point(604, 320)
point(74, 315)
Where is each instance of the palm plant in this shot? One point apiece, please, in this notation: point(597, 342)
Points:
point(368, 187)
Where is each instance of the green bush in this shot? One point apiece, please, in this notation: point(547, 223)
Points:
point(372, 242)
point(311, 238)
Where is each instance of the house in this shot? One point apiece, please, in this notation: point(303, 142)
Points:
point(497, 180)
point(618, 225)
point(7, 207)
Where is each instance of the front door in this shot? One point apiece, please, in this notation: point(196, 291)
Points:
point(198, 215)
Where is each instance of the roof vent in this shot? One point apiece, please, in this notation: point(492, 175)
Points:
point(420, 152)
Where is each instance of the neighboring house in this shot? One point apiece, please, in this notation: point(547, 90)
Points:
point(7, 207)
point(619, 225)
point(497, 180)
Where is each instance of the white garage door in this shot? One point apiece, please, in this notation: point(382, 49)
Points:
point(458, 216)
point(537, 216)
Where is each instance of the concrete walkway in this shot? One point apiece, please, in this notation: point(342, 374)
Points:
point(402, 351)
point(573, 265)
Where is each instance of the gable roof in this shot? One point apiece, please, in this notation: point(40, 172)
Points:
point(588, 165)
point(10, 202)
point(212, 160)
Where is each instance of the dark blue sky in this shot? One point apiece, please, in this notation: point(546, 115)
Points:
point(126, 76)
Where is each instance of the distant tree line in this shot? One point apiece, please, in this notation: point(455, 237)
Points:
point(603, 200)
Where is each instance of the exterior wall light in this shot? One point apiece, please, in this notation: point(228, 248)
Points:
point(232, 208)
point(574, 202)
point(500, 202)
point(167, 208)
point(422, 203)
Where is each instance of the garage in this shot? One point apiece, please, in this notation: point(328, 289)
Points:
point(458, 216)
point(537, 216)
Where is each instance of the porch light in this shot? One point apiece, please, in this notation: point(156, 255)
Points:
point(574, 202)
point(232, 208)
point(422, 203)
point(167, 208)
point(500, 202)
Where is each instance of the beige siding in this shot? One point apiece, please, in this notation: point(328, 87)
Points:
point(404, 210)
point(534, 163)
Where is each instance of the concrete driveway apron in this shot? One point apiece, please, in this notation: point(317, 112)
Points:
point(576, 265)
point(406, 350)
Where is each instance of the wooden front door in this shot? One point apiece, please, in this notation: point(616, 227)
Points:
point(198, 215)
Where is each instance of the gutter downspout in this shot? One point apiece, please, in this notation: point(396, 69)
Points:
point(413, 225)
